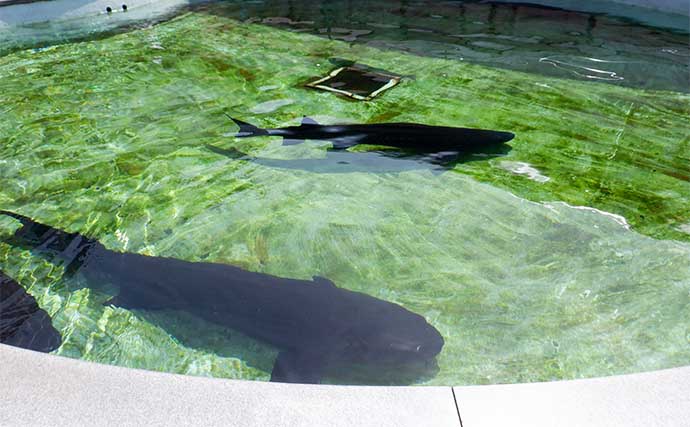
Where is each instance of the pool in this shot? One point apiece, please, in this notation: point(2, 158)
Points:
point(564, 254)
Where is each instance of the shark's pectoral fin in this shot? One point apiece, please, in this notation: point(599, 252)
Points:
point(299, 367)
point(292, 141)
point(345, 142)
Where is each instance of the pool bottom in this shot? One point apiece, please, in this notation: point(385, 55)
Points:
point(551, 312)
point(520, 290)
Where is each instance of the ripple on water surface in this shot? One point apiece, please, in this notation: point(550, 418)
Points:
point(526, 278)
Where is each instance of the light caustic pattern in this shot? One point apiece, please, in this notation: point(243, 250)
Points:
point(565, 258)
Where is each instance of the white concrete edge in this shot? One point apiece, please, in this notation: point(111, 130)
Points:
point(658, 398)
point(40, 389)
point(45, 390)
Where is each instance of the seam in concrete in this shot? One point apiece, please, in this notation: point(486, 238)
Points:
point(659, 398)
point(457, 408)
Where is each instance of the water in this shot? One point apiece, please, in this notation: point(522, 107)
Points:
point(520, 37)
point(564, 257)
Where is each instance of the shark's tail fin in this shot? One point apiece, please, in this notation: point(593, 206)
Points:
point(23, 219)
point(70, 247)
point(247, 129)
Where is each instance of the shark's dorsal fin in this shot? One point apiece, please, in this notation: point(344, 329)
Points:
point(322, 281)
point(308, 121)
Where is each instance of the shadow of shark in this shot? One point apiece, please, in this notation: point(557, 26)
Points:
point(342, 161)
point(408, 136)
point(22, 322)
point(315, 325)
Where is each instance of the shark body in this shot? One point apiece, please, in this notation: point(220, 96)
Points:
point(406, 136)
point(314, 324)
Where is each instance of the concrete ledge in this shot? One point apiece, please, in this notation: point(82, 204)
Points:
point(660, 398)
point(46, 390)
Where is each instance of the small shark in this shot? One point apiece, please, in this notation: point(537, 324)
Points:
point(408, 136)
point(22, 322)
point(315, 324)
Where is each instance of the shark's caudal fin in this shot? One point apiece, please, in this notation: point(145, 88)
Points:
point(247, 129)
point(31, 233)
point(23, 219)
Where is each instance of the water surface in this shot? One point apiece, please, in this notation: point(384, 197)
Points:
point(565, 257)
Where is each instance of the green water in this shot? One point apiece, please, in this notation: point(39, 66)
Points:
point(568, 257)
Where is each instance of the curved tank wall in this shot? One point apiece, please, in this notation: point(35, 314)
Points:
point(664, 13)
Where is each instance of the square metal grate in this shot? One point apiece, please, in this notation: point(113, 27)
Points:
point(357, 82)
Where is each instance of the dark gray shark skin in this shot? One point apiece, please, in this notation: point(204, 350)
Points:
point(22, 322)
point(407, 136)
point(315, 324)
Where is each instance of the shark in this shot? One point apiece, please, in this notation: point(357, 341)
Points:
point(315, 325)
point(407, 136)
point(22, 322)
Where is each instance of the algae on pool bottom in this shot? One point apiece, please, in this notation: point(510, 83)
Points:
point(108, 137)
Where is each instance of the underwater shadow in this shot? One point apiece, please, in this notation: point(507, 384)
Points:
point(376, 162)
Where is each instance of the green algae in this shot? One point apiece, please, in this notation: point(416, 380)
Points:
point(107, 137)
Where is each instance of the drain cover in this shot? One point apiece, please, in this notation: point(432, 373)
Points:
point(356, 81)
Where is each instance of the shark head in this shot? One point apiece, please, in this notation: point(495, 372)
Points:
point(391, 334)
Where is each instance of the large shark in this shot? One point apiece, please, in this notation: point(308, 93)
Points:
point(22, 322)
point(407, 136)
point(315, 325)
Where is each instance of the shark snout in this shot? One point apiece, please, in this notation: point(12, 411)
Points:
point(429, 347)
point(406, 347)
point(498, 137)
